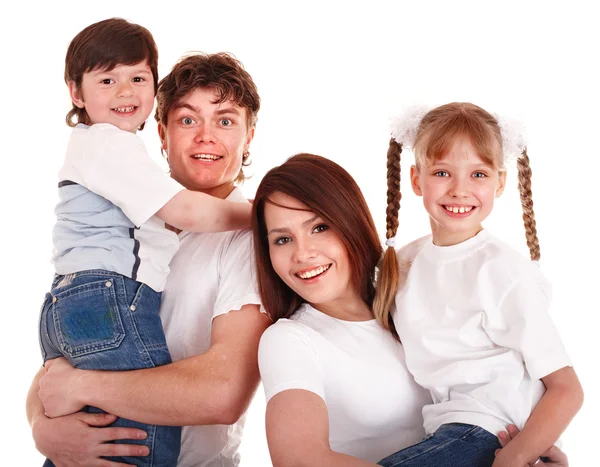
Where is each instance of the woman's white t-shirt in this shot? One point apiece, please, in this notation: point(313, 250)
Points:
point(358, 369)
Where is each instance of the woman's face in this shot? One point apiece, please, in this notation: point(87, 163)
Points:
point(308, 254)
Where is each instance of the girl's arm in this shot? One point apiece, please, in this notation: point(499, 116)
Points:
point(297, 426)
point(193, 211)
point(557, 407)
point(554, 456)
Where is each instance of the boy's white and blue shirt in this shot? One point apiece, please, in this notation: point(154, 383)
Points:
point(109, 191)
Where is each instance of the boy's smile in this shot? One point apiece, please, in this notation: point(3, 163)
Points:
point(123, 96)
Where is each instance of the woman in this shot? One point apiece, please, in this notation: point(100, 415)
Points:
point(337, 388)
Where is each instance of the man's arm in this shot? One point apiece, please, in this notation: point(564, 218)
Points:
point(215, 387)
point(75, 440)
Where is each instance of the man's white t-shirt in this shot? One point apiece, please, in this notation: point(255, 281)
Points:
point(211, 274)
point(358, 369)
point(474, 320)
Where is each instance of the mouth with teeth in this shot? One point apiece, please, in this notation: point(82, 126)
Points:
point(458, 209)
point(313, 273)
point(125, 110)
point(206, 157)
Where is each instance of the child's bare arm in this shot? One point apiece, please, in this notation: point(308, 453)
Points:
point(198, 212)
point(551, 416)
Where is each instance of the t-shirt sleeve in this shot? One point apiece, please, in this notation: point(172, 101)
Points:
point(115, 164)
point(286, 360)
point(237, 279)
point(522, 322)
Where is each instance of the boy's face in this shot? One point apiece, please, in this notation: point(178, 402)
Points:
point(123, 96)
point(205, 141)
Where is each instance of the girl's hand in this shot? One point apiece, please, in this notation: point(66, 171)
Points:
point(555, 457)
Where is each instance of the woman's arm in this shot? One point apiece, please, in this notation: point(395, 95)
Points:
point(555, 410)
point(297, 426)
point(78, 440)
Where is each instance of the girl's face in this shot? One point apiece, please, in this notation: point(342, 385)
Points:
point(308, 254)
point(458, 192)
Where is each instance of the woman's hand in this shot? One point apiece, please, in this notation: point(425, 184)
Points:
point(78, 440)
point(58, 388)
point(554, 456)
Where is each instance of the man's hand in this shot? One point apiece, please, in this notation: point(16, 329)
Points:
point(57, 388)
point(76, 441)
point(554, 456)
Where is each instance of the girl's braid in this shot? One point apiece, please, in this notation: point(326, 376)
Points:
point(527, 204)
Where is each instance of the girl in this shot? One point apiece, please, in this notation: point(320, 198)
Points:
point(338, 392)
point(471, 313)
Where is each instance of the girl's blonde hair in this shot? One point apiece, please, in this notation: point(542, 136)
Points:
point(437, 132)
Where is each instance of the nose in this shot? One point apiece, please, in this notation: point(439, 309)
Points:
point(124, 89)
point(304, 250)
point(459, 188)
point(205, 133)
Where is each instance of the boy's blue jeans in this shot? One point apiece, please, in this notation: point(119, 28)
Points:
point(452, 445)
point(102, 320)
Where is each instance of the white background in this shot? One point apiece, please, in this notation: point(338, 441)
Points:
point(330, 74)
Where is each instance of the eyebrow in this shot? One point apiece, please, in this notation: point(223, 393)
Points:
point(193, 108)
point(304, 224)
point(107, 72)
point(446, 164)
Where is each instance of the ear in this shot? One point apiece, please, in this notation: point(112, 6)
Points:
point(414, 180)
point(249, 138)
point(162, 134)
point(76, 96)
point(501, 183)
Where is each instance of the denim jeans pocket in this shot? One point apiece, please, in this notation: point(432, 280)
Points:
point(87, 318)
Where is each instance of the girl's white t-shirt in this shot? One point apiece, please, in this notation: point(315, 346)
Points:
point(475, 323)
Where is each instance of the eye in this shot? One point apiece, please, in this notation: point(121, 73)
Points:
point(321, 228)
point(187, 121)
point(226, 122)
point(138, 79)
point(282, 240)
point(479, 175)
point(107, 81)
point(441, 173)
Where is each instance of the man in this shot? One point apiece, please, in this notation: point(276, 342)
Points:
point(206, 113)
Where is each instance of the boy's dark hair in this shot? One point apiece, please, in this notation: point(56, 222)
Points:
point(103, 46)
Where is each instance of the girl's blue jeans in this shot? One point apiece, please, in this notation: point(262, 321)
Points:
point(452, 445)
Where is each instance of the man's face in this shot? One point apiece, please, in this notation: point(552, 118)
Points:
point(205, 141)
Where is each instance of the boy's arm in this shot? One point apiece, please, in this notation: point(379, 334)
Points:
point(75, 440)
point(193, 211)
point(212, 388)
point(555, 410)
